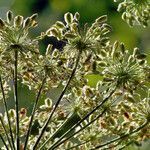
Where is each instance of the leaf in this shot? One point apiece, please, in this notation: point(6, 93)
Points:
point(68, 124)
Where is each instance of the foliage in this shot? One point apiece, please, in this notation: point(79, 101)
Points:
point(112, 114)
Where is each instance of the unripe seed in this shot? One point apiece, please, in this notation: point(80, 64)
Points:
point(52, 32)
point(34, 16)
point(60, 25)
point(49, 49)
point(18, 20)
point(77, 16)
point(70, 36)
point(124, 16)
point(27, 23)
point(141, 56)
point(102, 63)
point(68, 18)
point(122, 47)
point(9, 16)
point(112, 121)
point(48, 102)
point(101, 19)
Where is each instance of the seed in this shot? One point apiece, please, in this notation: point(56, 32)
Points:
point(18, 20)
point(68, 18)
point(9, 16)
point(101, 19)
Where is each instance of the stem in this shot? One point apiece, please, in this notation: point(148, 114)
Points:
point(1, 120)
point(59, 142)
point(129, 143)
point(58, 101)
point(16, 99)
point(4, 142)
point(33, 113)
point(121, 137)
point(6, 110)
point(78, 145)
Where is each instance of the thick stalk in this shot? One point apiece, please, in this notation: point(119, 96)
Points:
point(121, 137)
point(6, 110)
point(7, 136)
point(59, 142)
point(4, 142)
point(16, 99)
point(33, 113)
point(58, 101)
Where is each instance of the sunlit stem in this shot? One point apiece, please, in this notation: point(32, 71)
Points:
point(6, 110)
point(59, 142)
point(16, 99)
point(33, 112)
point(121, 137)
point(7, 136)
point(4, 142)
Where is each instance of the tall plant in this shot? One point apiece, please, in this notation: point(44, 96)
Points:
point(114, 114)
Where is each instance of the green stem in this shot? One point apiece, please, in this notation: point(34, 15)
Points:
point(121, 137)
point(1, 120)
point(73, 147)
point(33, 113)
point(123, 147)
point(59, 142)
point(4, 142)
point(58, 101)
point(16, 99)
point(6, 110)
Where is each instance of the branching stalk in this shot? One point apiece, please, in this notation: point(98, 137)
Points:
point(59, 142)
point(6, 110)
point(58, 101)
point(33, 112)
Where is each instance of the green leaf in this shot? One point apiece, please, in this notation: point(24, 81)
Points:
point(68, 124)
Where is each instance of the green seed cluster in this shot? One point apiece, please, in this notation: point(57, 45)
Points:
point(135, 12)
